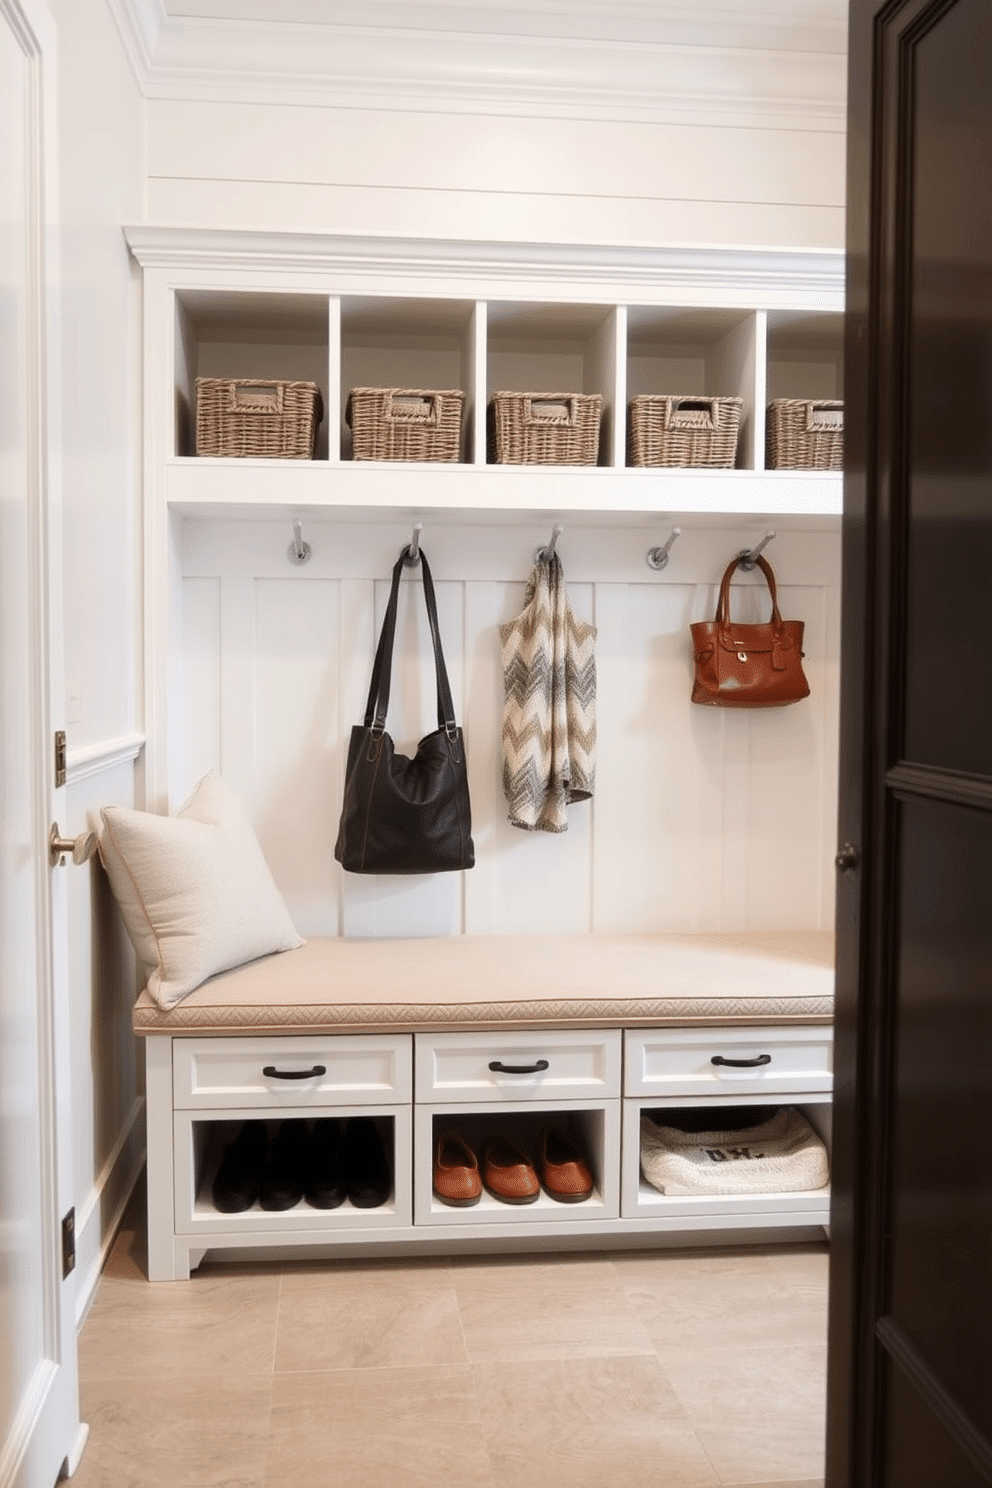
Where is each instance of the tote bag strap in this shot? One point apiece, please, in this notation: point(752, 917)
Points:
point(378, 701)
point(723, 605)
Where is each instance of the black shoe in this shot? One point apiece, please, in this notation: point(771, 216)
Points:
point(282, 1181)
point(366, 1167)
point(324, 1186)
point(235, 1187)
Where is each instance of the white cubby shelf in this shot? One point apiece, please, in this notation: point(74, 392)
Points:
point(753, 324)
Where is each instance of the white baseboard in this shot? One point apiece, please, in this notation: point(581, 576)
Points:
point(98, 1218)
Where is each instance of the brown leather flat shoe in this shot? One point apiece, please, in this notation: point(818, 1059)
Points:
point(561, 1167)
point(456, 1172)
point(507, 1172)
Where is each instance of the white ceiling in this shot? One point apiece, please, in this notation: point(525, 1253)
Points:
point(725, 61)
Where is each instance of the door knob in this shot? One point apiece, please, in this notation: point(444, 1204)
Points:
point(847, 859)
point(81, 847)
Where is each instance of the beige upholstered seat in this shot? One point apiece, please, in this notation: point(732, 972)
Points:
point(515, 981)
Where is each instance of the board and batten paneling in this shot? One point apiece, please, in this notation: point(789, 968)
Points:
point(702, 818)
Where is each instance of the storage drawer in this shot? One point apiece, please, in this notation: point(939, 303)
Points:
point(517, 1066)
point(706, 1061)
point(215, 1073)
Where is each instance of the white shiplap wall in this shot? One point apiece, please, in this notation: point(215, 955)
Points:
point(529, 179)
point(711, 123)
point(702, 818)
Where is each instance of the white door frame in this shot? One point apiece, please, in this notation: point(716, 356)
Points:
point(44, 1436)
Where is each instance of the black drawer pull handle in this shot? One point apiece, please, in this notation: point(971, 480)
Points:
point(272, 1073)
point(742, 1063)
point(518, 1069)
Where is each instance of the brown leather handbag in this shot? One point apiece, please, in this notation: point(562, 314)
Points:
point(748, 666)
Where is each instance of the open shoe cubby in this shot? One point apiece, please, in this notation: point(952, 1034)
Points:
point(640, 1200)
point(593, 1128)
point(200, 1143)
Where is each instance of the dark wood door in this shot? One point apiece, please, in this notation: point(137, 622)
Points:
point(910, 1372)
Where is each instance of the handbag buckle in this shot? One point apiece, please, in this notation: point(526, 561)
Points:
point(742, 656)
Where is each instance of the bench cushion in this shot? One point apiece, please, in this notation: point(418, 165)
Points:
point(514, 981)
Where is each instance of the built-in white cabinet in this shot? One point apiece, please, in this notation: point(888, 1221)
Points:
point(592, 1085)
point(259, 666)
point(344, 313)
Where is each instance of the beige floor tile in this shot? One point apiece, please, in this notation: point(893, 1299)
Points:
point(588, 1423)
point(190, 1432)
point(520, 1308)
point(760, 1413)
point(806, 1264)
point(377, 1428)
point(222, 1322)
point(779, 1483)
point(687, 1264)
point(687, 1307)
point(369, 1317)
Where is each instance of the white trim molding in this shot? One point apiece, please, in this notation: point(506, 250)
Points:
point(719, 62)
point(98, 759)
point(749, 277)
point(105, 1204)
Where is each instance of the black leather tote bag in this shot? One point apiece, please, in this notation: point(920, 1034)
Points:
point(405, 815)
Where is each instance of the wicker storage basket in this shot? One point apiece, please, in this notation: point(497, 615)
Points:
point(248, 417)
point(405, 423)
point(544, 428)
point(684, 430)
point(805, 434)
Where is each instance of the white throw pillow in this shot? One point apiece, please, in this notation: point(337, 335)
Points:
point(194, 890)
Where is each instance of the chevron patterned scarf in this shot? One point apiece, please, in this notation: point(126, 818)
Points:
point(549, 714)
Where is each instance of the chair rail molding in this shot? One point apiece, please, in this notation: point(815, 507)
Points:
point(782, 66)
point(97, 759)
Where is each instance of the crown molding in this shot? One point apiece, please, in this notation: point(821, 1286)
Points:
point(622, 64)
point(751, 277)
point(140, 24)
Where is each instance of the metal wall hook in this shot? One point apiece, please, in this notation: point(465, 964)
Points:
point(299, 551)
point(411, 553)
point(748, 557)
point(657, 558)
point(545, 555)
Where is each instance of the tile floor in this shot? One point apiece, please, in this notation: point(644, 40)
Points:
point(672, 1369)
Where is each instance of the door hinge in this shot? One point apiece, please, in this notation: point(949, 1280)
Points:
point(69, 1243)
point(60, 758)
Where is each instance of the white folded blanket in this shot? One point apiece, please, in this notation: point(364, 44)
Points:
point(781, 1155)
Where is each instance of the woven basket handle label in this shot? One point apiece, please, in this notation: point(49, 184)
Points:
point(822, 416)
point(692, 413)
point(551, 411)
point(420, 407)
point(264, 397)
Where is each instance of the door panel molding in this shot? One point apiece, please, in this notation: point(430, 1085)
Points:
point(954, 1421)
point(906, 779)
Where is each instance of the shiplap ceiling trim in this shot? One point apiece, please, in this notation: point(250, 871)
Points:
point(717, 62)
